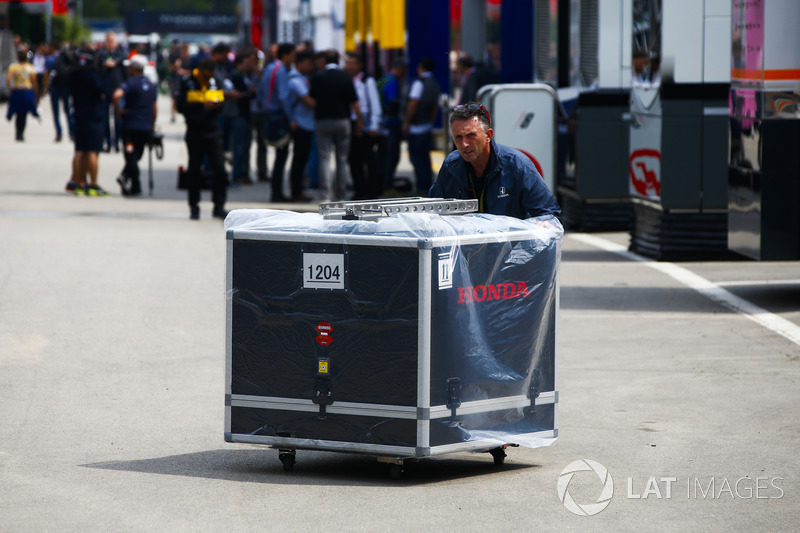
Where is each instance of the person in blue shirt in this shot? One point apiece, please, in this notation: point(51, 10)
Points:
point(502, 179)
point(392, 93)
point(138, 118)
point(303, 133)
point(274, 97)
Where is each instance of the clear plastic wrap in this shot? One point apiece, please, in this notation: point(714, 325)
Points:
point(412, 335)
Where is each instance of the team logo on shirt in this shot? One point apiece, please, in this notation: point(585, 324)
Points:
point(503, 193)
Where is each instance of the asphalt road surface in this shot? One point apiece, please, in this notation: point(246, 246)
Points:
point(682, 382)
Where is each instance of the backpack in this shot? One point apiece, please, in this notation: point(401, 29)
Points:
point(391, 109)
point(65, 64)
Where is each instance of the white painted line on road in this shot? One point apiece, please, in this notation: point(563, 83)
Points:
point(748, 282)
point(710, 290)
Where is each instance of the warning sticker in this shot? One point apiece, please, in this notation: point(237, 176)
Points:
point(324, 338)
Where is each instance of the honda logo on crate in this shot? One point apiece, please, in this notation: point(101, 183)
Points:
point(497, 291)
point(645, 170)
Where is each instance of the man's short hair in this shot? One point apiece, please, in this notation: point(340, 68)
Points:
point(220, 48)
point(427, 63)
point(465, 61)
point(207, 65)
point(284, 49)
point(303, 55)
point(469, 110)
point(331, 57)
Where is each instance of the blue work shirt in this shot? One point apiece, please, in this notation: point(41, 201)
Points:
point(280, 97)
point(140, 95)
point(299, 87)
point(513, 185)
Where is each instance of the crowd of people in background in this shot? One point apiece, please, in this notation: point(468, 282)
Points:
point(291, 99)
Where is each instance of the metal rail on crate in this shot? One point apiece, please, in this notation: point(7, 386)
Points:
point(375, 209)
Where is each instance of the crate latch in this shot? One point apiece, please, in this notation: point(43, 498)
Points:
point(322, 396)
point(533, 390)
point(453, 395)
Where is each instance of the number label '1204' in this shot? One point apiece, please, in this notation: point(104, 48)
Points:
point(323, 271)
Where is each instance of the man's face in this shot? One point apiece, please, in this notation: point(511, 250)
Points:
point(352, 66)
point(205, 75)
point(470, 139)
point(305, 66)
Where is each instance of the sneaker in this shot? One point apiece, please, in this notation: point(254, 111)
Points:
point(220, 212)
point(81, 191)
point(124, 185)
point(194, 213)
point(71, 186)
point(96, 190)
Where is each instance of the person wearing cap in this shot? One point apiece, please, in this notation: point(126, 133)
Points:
point(199, 99)
point(502, 179)
point(135, 103)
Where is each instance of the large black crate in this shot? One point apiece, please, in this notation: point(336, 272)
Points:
point(409, 336)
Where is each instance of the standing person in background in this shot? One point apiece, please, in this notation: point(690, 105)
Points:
point(335, 97)
point(39, 66)
point(469, 83)
point(90, 103)
point(199, 100)
point(138, 121)
point(222, 73)
point(21, 80)
point(273, 92)
point(112, 57)
point(257, 121)
point(313, 158)
point(423, 107)
point(392, 93)
point(59, 65)
point(303, 134)
point(244, 91)
point(364, 165)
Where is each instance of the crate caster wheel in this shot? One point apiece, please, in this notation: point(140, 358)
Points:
point(287, 457)
point(499, 455)
point(396, 471)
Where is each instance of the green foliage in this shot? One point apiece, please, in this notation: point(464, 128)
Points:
point(101, 9)
point(66, 28)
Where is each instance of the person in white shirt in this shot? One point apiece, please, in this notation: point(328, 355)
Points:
point(365, 166)
point(421, 113)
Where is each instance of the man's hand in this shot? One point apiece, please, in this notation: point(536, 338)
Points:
point(212, 104)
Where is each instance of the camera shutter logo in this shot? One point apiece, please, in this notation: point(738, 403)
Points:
point(586, 509)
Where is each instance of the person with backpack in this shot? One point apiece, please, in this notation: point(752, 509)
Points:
point(423, 107)
point(274, 97)
point(392, 90)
